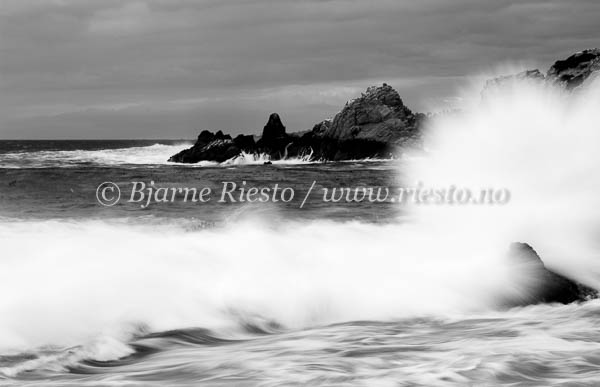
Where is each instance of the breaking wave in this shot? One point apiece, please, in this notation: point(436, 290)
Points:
point(295, 275)
point(263, 158)
point(156, 154)
point(90, 282)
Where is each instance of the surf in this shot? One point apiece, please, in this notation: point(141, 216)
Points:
point(294, 274)
point(156, 154)
point(435, 261)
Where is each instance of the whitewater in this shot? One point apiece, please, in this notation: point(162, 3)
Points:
point(156, 154)
point(332, 295)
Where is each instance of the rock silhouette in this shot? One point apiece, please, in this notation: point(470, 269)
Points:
point(375, 125)
point(372, 125)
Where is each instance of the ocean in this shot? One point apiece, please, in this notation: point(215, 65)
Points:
point(253, 294)
point(59, 179)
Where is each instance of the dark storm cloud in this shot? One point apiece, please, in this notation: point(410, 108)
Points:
point(168, 68)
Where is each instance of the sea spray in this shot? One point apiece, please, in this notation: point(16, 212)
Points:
point(156, 154)
point(297, 274)
point(442, 260)
point(540, 142)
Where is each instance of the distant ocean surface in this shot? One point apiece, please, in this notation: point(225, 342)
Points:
point(58, 179)
point(239, 294)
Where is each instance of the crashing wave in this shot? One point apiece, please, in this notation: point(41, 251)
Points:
point(156, 154)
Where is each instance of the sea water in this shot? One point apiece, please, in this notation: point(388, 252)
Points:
point(332, 294)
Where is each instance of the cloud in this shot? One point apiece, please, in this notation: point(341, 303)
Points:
point(127, 19)
point(256, 56)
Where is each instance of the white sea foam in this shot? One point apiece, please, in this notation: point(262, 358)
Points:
point(541, 143)
point(108, 277)
point(157, 154)
point(73, 282)
point(262, 158)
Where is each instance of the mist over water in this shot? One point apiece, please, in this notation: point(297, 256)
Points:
point(99, 284)
point(295, 275)
point(538, 141)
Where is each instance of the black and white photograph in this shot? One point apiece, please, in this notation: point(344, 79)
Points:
point(266, 193)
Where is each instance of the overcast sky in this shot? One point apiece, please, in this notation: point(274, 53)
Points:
point(169, 68)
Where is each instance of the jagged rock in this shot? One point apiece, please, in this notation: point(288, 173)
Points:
point(570, 73)
point(209, 146)
point(541, 284)
point(574, 70)
point(205, 137)
point(377, 115)
point(499, 83)
point(322, 127)
point(373, 125)
point(369, 126)
point(274, 139)
point(273, 130)
point(217, 150)
point(245, 142)
point(220, 147)
point(531, 74)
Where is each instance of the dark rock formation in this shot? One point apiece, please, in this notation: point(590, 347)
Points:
point(245, 142)
point(500, 83)
point(369, 126)
point(570, 73)
point(377, 115)
point(376, 124)
point(214, 147)
point(274, 140)
point(273, 132)
point(373, 125)
point(541, 284)
point(322, 127)
point(205, 137)
point(574, 70)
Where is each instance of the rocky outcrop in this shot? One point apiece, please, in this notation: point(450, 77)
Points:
point(376, 124)
point(377, 115)
point(273, 132)
point(372, 125)
point(217, 147)
point(574, 70)
point(541, 284)
point(274, 140)
point(322, 127)
point(501, 83)
point(569, 73)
